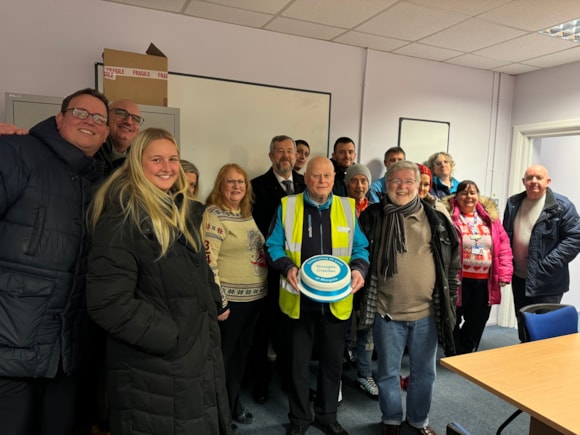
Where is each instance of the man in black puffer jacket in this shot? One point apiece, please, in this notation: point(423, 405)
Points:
point(46, 182)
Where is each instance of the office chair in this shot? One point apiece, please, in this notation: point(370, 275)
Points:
point(543, 321)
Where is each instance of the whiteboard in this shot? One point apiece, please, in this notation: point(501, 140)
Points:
point(420, 138)
point(226, 121)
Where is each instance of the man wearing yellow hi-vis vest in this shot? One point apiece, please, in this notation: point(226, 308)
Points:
point(312, 223)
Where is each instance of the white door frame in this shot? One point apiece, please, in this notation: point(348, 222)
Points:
point(522, 146)
point(521, 157)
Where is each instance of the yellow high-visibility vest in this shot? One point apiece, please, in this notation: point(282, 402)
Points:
point(342, 222)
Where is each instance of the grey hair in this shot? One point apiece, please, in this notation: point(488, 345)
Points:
point(404, 165)
point(280, 138)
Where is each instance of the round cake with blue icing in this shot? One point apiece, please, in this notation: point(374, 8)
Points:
point(325, 278)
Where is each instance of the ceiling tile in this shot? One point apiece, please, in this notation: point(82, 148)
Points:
point(564, 56)
point(427, 52)
point(303, 28)
point(339, 13)
point(470, 7)
point(166, 5)
point(488, 34)
point(366, 40)
point(515, 68)
point(474, 61)
point(410, 22)
point(266, 6)
point(534, 15)
point(526, 47)
point(227, 14)
point(471, 35)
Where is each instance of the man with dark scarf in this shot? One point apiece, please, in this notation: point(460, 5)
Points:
point(410, 296)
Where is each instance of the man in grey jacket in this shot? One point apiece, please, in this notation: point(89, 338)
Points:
point(544, 232)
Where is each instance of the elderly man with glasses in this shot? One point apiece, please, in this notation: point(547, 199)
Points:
point(411, 294)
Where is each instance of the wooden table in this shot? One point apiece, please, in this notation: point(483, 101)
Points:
point(542, 378)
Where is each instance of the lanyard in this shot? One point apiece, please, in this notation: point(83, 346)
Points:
point(472, 228)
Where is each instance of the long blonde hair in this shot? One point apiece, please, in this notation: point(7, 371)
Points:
point(216, 196)
point(139, 201)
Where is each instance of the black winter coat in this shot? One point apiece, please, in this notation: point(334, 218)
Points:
point(164, 362)
point(45, 189)
point(267, 195)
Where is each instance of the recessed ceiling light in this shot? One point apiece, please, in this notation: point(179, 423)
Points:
point(569, 30)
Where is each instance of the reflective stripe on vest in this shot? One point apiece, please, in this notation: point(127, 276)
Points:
point(342, 218)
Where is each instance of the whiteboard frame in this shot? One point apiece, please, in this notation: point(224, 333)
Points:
point(420, 138)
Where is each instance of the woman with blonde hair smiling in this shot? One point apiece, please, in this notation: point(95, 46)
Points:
point(150, 288)
point(235, 251)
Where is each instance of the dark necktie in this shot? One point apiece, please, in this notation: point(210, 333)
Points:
point(288, 187)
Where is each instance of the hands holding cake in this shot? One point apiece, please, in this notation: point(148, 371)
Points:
point(325, 278)
point(292, 278)
point(357, 281)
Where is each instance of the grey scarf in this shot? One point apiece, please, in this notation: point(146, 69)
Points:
point(393, 239)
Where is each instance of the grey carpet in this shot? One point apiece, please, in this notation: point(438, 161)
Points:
point(454, 399)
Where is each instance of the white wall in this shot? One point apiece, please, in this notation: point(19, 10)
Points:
point(551, 94)
point(50, 49)
point(469, 99)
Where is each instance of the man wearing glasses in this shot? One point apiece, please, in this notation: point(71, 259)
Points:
point(269, 188)
point(411, 293)
point(124, 120)
point(124, 123)
point(46, 180)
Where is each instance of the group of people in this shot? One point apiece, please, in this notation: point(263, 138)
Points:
point(101, 221)
point(462, 268)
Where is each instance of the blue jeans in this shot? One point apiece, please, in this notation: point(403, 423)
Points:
point(390, 338)
point(364, 352)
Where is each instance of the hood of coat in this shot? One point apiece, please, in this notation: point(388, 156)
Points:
point(484, 202)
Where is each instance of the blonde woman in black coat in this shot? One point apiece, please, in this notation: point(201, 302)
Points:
point(150, 288)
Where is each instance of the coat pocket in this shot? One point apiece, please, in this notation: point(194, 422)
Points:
point(23, 307)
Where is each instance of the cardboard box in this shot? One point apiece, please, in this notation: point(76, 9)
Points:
point(138, 77)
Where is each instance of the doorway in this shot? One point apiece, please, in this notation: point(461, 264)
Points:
point(525, 151)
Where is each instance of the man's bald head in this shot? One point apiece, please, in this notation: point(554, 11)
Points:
point(536, 181)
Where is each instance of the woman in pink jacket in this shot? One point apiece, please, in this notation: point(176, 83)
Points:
point(486, 262)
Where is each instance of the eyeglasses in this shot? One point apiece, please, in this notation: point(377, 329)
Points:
point(442, 162)
point(84, 114)
point(123, 114)
point(234, 182)
point(398, 181)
